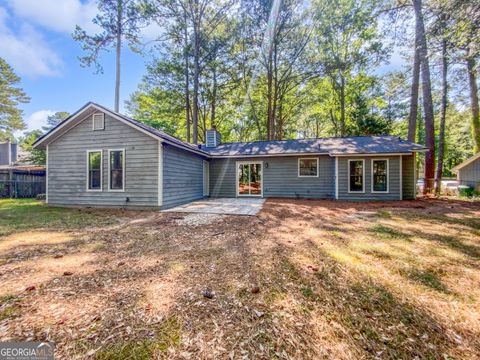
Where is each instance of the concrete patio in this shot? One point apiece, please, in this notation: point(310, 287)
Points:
point(222, 206)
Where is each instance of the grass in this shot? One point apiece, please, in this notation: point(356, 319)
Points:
point(167, 335)
point(401, 284)
point(25, 214)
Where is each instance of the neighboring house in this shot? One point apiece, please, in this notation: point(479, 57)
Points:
point(8, 153)
point(98, 157)
point(468, 172)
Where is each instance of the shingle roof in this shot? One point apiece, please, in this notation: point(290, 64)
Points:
point(332, 146)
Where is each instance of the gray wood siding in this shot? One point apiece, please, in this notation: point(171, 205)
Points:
point(280, 178)
point(393, 174)
point(182, 177)
point(67, 166)
point(470, 175)
point(408, 169)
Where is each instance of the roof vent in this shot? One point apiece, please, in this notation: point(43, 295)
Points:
point(212, 137)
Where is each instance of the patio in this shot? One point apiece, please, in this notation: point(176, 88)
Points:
point(222, 206)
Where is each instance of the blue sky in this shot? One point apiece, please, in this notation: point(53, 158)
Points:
point(35, 39)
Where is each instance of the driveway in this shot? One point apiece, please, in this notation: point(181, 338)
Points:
point(223, 206)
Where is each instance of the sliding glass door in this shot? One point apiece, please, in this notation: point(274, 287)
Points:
point(249, 178)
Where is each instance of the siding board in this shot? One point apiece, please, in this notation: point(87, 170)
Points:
point(67, 170)
point(182, 177)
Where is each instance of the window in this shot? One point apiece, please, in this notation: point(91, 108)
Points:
point(98, 121)
point(308, 167)
point(356, 175)
point(116, 171)
point(94, 160)
point(380, 175)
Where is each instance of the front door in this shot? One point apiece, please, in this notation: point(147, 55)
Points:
point(249, 178)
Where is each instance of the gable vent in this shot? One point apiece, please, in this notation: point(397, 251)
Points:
point(98, 121)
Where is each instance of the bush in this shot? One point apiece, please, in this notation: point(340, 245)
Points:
point(464, 190)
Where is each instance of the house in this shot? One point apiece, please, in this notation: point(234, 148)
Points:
point(8, 153)
point(468, 172)
point(98, 157)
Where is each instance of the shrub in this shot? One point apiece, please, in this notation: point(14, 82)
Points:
point(464, 190)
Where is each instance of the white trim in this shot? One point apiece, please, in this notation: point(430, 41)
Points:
point(414, 176)
point(336, 177)
point(236, 178)
point(46, 177)
point(103, 121)
point(363, 177)
point(401, 177)
point(206, 173)
point(101, 170)
point(160, 173)
point(123, 171)
point(388, 177)
point(307, 158)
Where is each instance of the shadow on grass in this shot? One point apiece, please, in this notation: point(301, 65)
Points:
point(386, 232)
point(428, 278)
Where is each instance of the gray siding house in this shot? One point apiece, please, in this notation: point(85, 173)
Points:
point(468, 172)
point(101, 158)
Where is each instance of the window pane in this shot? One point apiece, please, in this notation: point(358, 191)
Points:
point(94, 160)
point(95, 181)
point(94, 170)
point(380, 175)
point(308, 167)
point(356, 175)
point(116, 170)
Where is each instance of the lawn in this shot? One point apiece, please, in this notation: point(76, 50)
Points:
point(304, 279)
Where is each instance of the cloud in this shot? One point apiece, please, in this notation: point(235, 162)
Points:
point(57, 15)
point(26, 50)
point(38, 119)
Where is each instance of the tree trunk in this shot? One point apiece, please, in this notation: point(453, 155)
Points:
point(118, 54)
point(412, 117)
point(342, 105)
point(443, 115)
point(472, 79)
point(196, 75)
point(187, 78)
point(214, 99)
point(427, 100)
point(270, 122)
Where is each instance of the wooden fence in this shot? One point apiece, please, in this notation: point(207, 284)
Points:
point(21, 183)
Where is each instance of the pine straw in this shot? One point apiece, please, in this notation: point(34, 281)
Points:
point(337, 280)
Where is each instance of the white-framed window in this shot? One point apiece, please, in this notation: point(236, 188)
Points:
point(94, 170)
point(380, 176)
point(356, 176)
point(98, 121)
point(116, 169)
point(308, 167)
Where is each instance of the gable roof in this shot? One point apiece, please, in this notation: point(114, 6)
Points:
point(335, 146)
point(87, 110)
point(466, 162)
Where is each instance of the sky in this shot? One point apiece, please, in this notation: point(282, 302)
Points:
point(36, 40)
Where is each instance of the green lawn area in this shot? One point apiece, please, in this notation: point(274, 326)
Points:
point(26, 214)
